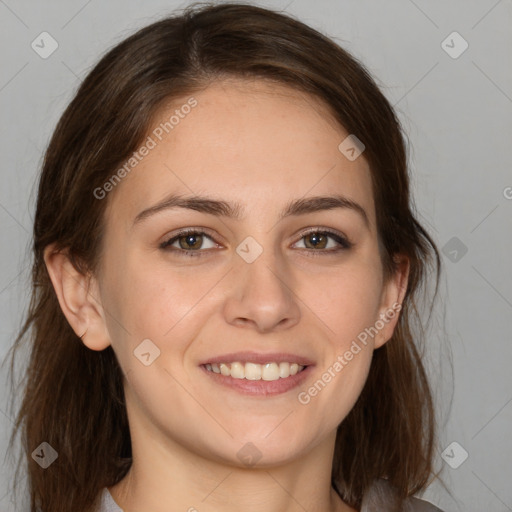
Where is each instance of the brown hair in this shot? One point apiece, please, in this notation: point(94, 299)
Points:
point(73, 397)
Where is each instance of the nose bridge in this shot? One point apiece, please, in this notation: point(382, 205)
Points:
point(261, 265)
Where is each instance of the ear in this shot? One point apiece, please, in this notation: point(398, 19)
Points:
point(393, 294)
point(78, 296)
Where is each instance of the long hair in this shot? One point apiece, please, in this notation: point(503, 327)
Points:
point(72, 397)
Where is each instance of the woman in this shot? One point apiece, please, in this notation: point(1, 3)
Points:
point(225, 275)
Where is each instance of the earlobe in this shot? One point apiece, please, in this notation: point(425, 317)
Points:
point(78, 301)
point(393, 296)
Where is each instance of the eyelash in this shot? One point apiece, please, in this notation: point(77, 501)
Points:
point(345, 244)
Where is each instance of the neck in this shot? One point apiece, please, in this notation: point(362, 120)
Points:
point(165, 476)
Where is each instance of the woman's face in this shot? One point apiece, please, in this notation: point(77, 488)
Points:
point(258, 287)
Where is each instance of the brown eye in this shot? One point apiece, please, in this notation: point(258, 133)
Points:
point(329, 241)
point(188, 243)
point(316, 240)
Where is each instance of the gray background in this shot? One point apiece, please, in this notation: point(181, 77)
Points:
point(457, 113)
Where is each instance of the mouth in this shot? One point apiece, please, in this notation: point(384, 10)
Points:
point(257, 374)
point(254, 371)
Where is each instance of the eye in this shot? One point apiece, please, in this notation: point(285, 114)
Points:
point(189, 242)
point(320, 240)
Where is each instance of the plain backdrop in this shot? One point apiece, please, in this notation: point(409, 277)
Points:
point(455, 103)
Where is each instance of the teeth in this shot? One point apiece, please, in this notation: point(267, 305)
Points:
point(254, 371)
point(237, 370)
point(270, 371)
point(251, 371)
point(284, 370)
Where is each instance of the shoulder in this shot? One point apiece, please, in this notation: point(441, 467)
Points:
point(381, 497)
point(107, 503)
point(418, 505)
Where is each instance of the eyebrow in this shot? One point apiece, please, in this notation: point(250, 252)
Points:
point(236, 210)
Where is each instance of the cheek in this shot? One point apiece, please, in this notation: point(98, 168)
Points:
point(149, 298)
point(348, 304)
point(153, 302)
point(346, 300)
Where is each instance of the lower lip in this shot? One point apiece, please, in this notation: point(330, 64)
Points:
point(260, 387)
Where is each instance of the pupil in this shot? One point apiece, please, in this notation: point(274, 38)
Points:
point(316, 239)
point(191, 241)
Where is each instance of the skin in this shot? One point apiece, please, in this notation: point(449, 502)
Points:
point(263, 146)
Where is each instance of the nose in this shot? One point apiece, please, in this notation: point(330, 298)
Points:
point(261, 295)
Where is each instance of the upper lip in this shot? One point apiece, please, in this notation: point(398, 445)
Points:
point(259, 358)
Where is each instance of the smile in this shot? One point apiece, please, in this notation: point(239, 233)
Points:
point(257, 380)
point(254, 371)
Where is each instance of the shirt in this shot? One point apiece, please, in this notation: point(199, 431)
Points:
point(379, 498)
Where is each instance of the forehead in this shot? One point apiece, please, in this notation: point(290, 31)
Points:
point(252, 142)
